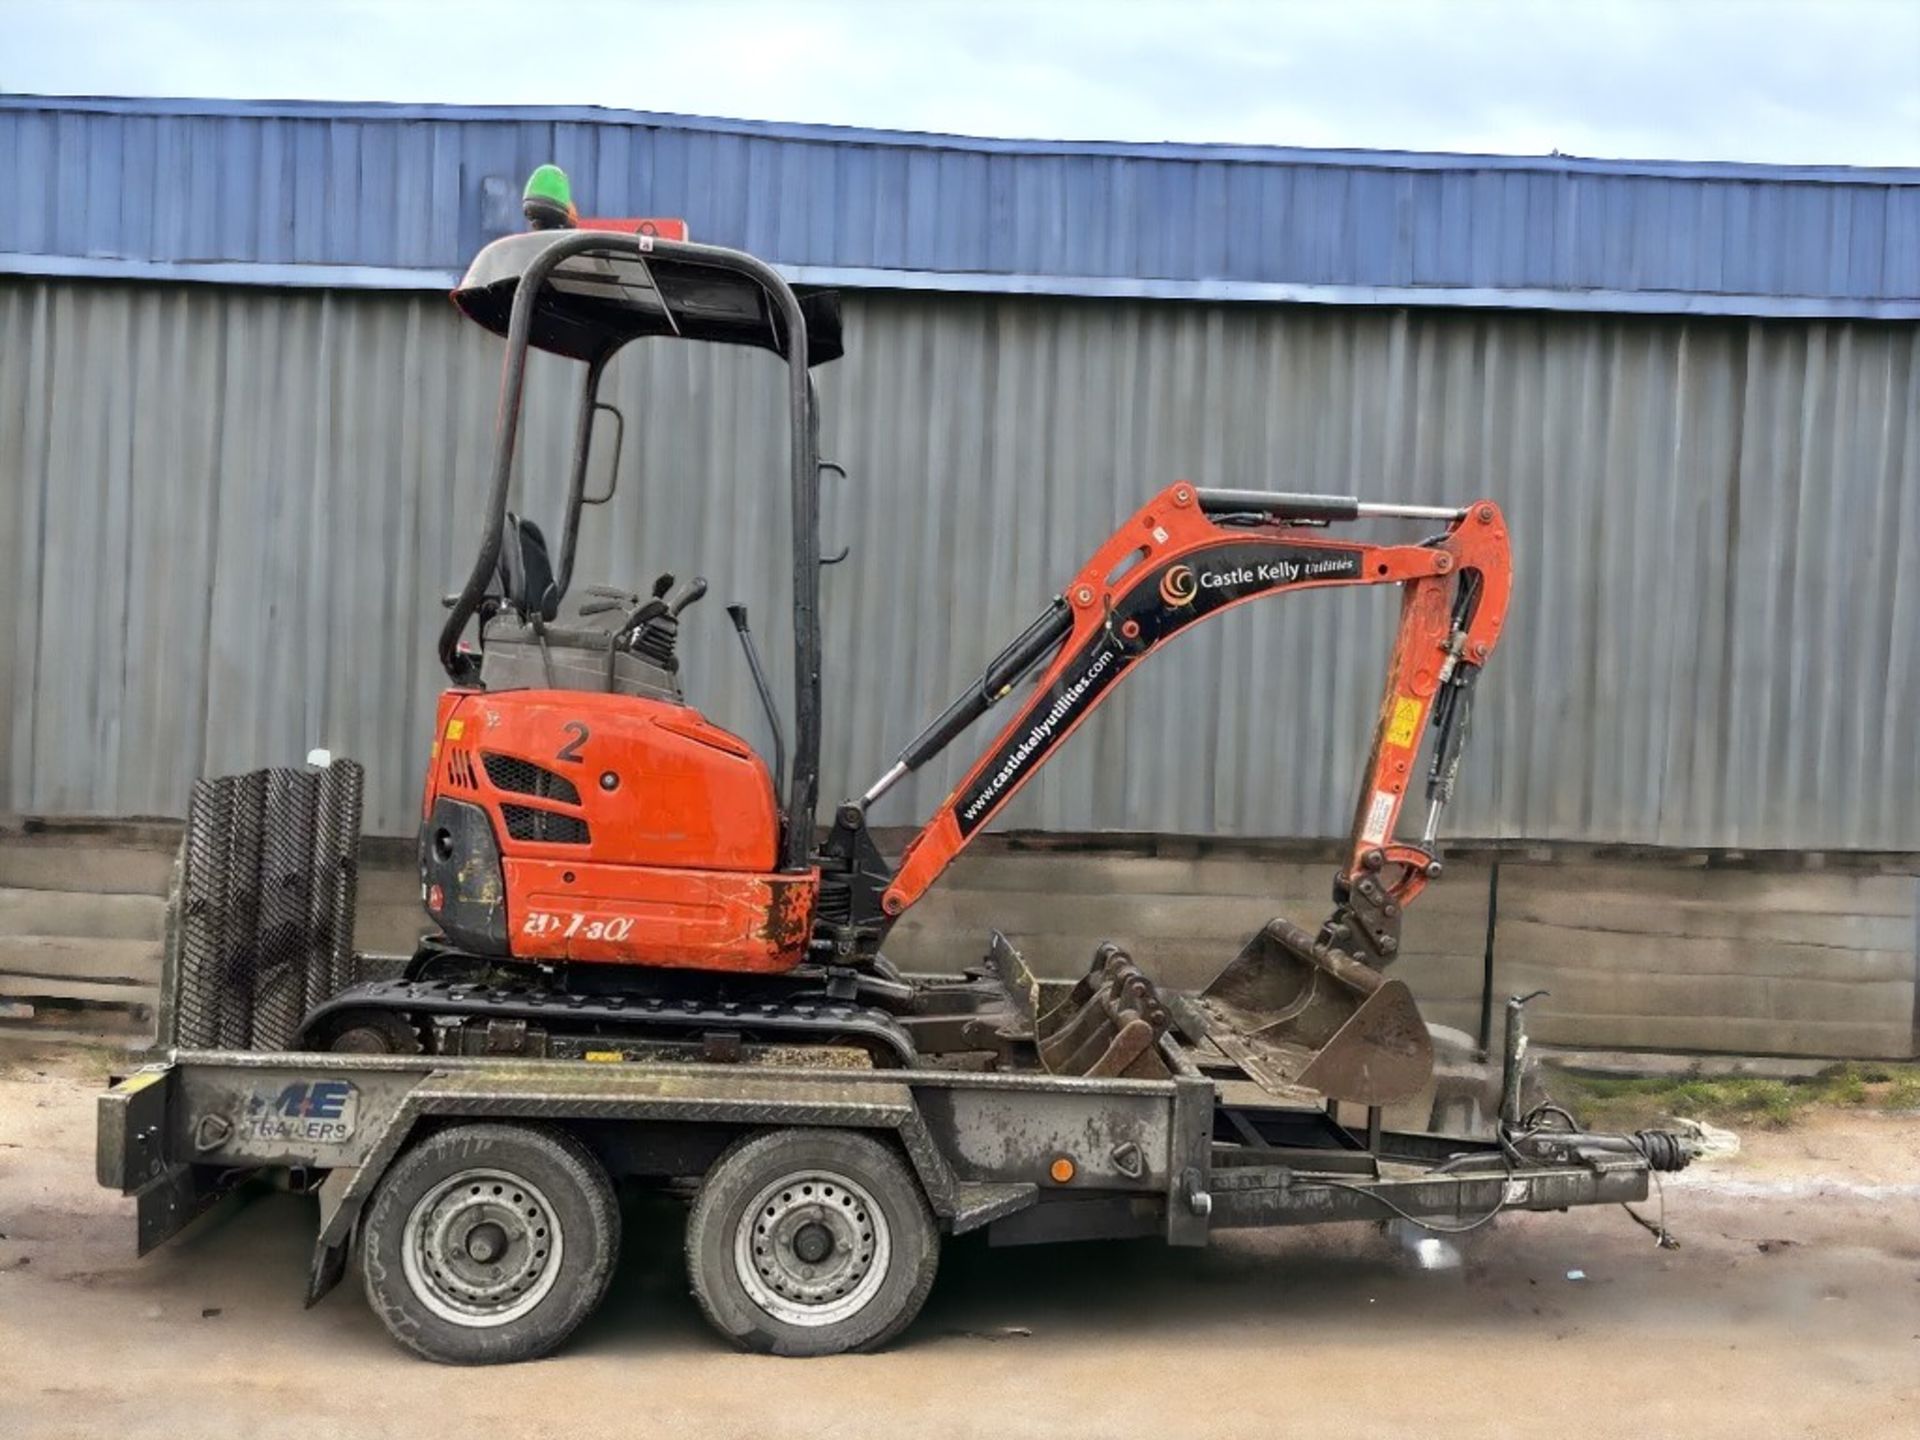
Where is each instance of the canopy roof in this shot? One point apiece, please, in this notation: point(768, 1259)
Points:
point(592, 304)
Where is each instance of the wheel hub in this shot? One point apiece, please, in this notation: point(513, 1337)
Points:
point(483, 1247)
point(812, 1249)
point(813, 1243)
point(486, 1241)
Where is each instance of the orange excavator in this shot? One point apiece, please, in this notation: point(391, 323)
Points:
point(611, 875)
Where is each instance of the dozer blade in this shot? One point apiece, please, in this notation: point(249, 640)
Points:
point(1296, 1015)
point(1108, 1024)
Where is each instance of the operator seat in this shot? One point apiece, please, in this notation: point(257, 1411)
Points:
point(526, 572)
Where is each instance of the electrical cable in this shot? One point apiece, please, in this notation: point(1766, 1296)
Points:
point(1413, 1219)
point(1662, 1237)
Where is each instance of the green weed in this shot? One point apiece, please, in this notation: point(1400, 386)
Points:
point(1631, 1102)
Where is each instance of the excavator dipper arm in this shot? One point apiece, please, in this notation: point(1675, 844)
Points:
point(1190, 553)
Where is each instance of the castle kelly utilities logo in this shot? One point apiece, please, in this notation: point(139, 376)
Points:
point(1178, 587)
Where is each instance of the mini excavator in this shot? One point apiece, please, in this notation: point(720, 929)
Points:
point(612, 876)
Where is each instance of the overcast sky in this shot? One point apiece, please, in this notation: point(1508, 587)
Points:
point(1805, 81)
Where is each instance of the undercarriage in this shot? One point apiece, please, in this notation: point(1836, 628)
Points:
point(448, 1003)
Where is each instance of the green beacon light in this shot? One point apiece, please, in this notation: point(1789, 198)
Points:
point(547, 201)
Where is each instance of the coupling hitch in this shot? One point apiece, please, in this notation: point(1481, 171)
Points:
point(1661, 1149)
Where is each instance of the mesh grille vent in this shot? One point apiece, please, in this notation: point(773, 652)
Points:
point(526, 823)
point(523, 777)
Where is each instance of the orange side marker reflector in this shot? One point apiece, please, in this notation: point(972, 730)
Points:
point(1061, 1170)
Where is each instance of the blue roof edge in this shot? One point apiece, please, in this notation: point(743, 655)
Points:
point(1222, 152)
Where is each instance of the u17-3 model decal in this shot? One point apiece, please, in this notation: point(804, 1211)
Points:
point(1160, 603)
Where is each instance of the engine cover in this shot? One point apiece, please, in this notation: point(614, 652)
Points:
point(618, 830)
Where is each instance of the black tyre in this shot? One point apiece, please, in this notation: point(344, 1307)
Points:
point(489, 1243)
point(810, 1242)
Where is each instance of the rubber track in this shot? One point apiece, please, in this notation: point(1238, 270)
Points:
point(649, 1017)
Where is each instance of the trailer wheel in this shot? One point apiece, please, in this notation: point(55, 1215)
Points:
point(810, 1242)
point(489, 1243)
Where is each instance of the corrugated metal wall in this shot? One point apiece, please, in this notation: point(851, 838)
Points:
point(230, 514)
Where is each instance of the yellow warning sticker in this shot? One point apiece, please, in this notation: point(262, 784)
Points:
point(1406, 720)
point(455, 729)
point(604, 1057)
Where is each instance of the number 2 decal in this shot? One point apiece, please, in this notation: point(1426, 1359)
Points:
point(570, 751)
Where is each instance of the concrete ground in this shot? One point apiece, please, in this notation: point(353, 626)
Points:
point(1793, 1308)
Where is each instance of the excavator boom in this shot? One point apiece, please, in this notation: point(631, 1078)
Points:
point(1190, 553)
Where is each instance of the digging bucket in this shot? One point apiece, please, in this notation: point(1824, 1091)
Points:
point(1107, 1024)
point(1299, 1015)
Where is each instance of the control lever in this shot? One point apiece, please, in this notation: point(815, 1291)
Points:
point(448, 601)
point(607, 598)
point(690, 592)
point(612, 597)
point(738, 614)
point(655, 626)
point(651, 611)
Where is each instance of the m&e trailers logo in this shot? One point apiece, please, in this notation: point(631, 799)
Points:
point(316, 1111)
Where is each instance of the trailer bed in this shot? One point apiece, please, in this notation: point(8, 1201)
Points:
point(1141, 1158)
